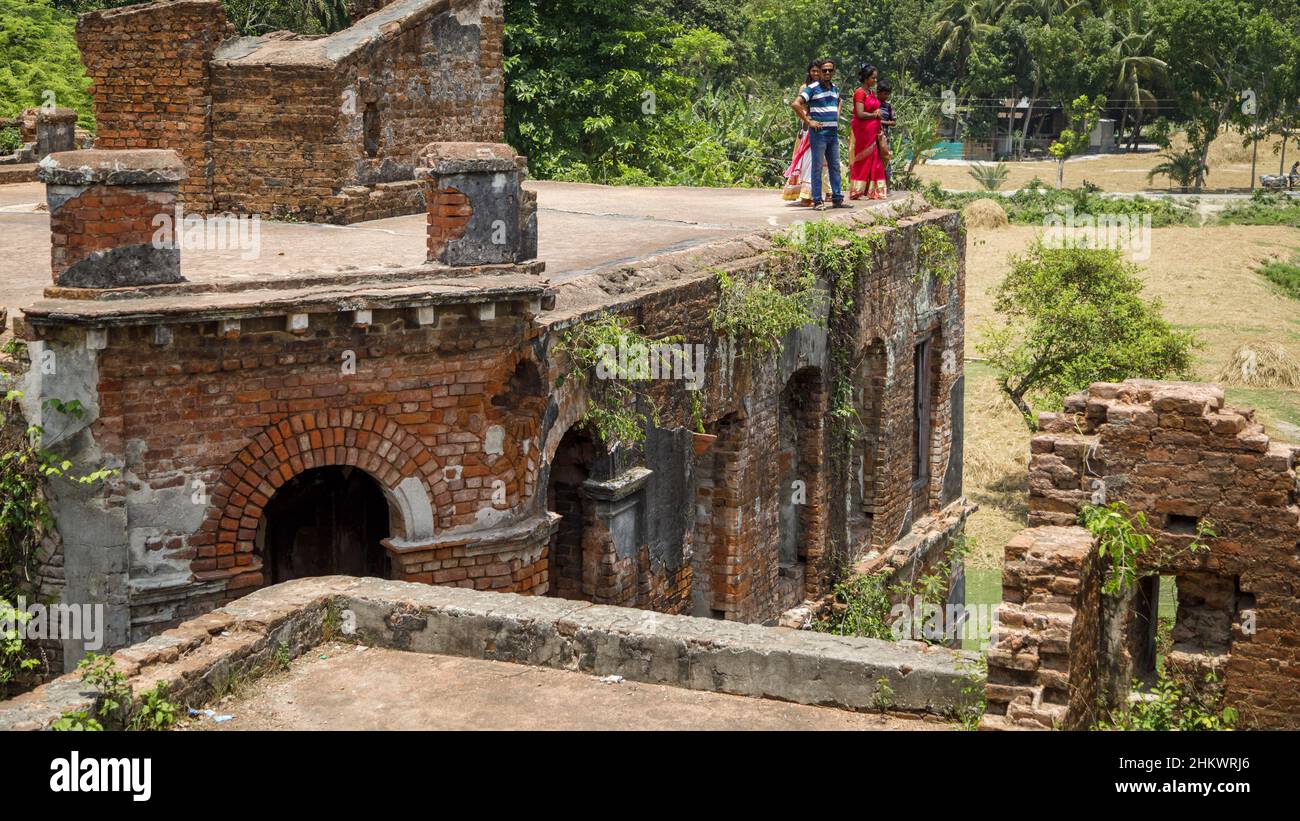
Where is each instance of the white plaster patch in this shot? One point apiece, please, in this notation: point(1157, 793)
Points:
point(495, 440)
point(490, 516)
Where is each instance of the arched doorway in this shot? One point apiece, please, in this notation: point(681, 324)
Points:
point(569, 469)
point(325, 521)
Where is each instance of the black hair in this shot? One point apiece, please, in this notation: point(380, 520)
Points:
point(865, 71)
point(883, 88)
point(808, 77)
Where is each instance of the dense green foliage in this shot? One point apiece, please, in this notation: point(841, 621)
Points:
point(37, 55)
point(1074, 316)
point(697, 91)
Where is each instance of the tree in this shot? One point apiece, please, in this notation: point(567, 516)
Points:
point(1135, 54)
point(1183, 167)
point(1074, 316)
point(592, 86)
point(1082, 115)
point(1207, 47)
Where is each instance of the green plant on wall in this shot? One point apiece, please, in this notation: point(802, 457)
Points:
point(1169, 706)
point(24, 513)
point(758, 312)
point(1123, 538)
point(937, 255)
point(592, 348)
point(115, 707)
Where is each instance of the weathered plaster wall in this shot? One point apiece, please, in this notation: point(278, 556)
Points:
point(207, 420)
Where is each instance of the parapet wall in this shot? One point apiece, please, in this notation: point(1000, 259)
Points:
point(242, 640)
point(1176, 454)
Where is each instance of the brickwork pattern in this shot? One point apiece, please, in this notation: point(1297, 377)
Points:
point(149, 66)
point(1176, 453)
point(101, 218)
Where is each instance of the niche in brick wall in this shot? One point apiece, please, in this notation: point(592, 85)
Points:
point(371, 129)
point(864, 466)
point(570, 468)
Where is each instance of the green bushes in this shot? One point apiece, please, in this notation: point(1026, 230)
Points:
point(1285, 275)
point(1074, 316)
point(1035, 206)
point(39, 58)
point(1264, 208)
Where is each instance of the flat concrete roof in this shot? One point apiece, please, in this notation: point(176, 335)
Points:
point(582, 229)
point(344, 687)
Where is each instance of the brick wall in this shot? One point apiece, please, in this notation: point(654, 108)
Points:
point(736, 522)
point(1177, 454)
point(1042, 656)
point(149, 65)
point(337, 142)
point(208, 420)
point(322, 129)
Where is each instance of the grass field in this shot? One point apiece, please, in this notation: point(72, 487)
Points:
point(1208, 281)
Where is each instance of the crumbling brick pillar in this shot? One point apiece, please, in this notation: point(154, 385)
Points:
point(479, 213)
point(113, 217)
point(151, 68)
point(1042, 656)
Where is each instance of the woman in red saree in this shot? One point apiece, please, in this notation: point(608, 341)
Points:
point(867, 168)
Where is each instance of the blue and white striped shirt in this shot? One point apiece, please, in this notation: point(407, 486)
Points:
point(823, 103)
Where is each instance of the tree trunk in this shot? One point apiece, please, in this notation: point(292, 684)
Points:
point(1029, 113)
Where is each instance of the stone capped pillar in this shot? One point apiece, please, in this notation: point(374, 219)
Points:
point(56, 130)
point(113, 217)
point(479, 213)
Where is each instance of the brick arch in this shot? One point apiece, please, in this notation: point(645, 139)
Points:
point(399, 462)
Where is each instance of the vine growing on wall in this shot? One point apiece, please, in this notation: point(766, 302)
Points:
point(937, 255)
point(25, 521)
point(606, 353)
point(1124, 537)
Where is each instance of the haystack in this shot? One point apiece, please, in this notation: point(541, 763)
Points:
point(984, 213)
point(1261, 365)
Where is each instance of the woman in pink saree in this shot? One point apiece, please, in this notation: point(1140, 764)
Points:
point(866, 167)
point(798, 175)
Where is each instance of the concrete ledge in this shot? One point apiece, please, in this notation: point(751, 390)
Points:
point(242, 639)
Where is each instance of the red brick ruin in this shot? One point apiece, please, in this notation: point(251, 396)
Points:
point(1175, 453)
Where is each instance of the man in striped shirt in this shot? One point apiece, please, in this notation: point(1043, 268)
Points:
point(818, 106)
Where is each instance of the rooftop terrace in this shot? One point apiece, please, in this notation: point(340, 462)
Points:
point(582, 229)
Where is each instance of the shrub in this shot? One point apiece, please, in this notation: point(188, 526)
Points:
point(1074, 316)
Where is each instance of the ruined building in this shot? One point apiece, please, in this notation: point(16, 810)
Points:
point(324, 129)
point(421, 421)
point(1201, 473)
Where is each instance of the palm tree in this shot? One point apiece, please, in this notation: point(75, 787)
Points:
point(1044, 12)
point(959, 24)
point(1133, 51)
point(1183, 167)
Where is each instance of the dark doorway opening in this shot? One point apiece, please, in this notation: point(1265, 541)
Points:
point(326, 521)
point(569, 469)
